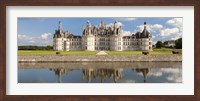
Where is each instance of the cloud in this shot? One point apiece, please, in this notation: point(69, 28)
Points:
point(177, 30)
point(22, 37)
point(172, 31)
point(150, 28)
point(125, 19)
point(45, 35)
point(169, 31)
point(176, 37)
point(118, 24)
point(126, 81)
point(153, 36)
point(126, 33)
point(175, 22)
point(43, 40)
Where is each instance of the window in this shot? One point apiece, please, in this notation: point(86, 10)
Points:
point(149, 43)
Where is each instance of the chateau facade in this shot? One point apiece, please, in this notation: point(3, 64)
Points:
point(102, 37)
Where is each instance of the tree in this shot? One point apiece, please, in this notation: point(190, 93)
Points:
point(35, 47)
point(178, 43)
point(165, 43)
point(159, 44)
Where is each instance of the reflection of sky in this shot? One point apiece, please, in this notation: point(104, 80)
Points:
point(155, 75)
point(165, 75)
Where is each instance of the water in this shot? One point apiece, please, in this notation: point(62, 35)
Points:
point(100, 72)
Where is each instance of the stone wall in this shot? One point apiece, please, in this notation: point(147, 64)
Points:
point(107, 65)
point(94, 58)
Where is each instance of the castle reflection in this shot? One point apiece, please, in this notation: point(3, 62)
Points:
point(101, 72)
point(59, 72)
point(91, 74)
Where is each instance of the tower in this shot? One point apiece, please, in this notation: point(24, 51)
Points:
point(58, 38)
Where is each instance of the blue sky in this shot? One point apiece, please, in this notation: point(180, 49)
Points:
point(39, 31)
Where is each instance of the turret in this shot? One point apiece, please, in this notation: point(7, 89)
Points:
point(145, 28)
point(145, 32)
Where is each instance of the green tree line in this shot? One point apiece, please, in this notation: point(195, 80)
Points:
point(35, 47)
point(178, 44)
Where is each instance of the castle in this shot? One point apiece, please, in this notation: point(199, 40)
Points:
point(102, 37)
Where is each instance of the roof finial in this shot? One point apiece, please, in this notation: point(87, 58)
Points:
point(88, 21)
point(145, 23)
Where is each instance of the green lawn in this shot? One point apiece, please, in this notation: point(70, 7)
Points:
point(45, 52)
point(163, 51)
point(154, 52)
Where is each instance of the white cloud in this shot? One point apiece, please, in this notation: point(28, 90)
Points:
point(45, 35)
point(150, 28)
point(153, 36)
point(118, 24)
point(176, 22)
point(169, 31)
point(22, 37)
point(126, 33)
point(176, 37)
point(126, 81)
point(125, 19)
point(156, 26)
point(43, 39)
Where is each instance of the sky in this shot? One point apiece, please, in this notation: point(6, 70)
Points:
point(39, 31)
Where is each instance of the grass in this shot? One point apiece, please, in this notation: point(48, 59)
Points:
point(45, 52)
point(162, 51)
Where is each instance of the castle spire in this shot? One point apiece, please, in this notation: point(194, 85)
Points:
point(101, 21)
point(60, 25)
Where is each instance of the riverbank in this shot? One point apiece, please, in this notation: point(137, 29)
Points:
point(102, 65)
point(98, 58)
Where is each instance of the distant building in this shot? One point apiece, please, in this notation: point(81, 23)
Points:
point(170, 43)
point(102, 37)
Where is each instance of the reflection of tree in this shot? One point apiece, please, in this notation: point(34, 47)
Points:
point(144, 71)
point(59, 72)
point(102, 74)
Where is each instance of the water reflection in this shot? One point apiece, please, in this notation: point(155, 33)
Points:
point(144, 71)
point(89, 74)
point(59, 72)
point(104, 72)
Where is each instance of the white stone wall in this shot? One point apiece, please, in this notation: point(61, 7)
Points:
point(58, 44)
point(130, 44)
point(114, 43)
point(145, 44)
point(90, 43)
point(120, 43)
point(75, 44)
